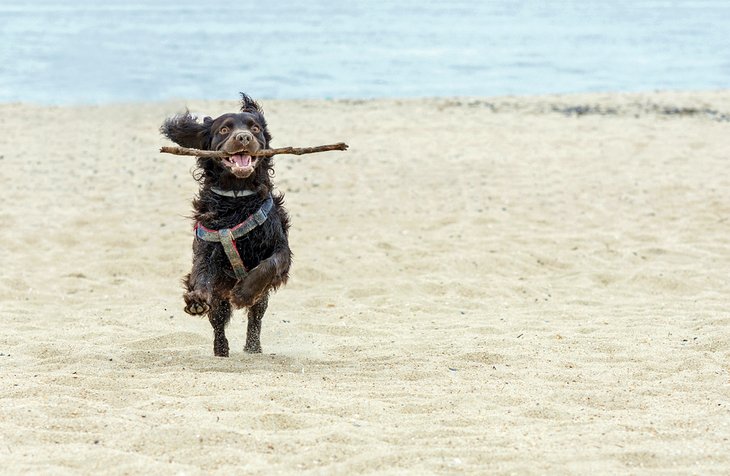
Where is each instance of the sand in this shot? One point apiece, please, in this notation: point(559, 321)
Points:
point(480, 285)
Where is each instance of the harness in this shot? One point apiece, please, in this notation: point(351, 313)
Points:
point(228, 236)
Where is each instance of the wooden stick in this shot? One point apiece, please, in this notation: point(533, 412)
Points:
point(216, 154)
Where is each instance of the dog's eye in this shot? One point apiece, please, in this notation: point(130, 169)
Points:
point(255, 129)
point(223, 130)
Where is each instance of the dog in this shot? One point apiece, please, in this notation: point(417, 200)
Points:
point(241, 246)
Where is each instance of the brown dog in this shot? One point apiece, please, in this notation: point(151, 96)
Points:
point(241, 249)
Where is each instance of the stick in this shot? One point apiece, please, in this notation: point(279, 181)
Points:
point(216, 154)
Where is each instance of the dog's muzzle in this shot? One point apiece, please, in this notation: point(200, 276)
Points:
point(241, 144)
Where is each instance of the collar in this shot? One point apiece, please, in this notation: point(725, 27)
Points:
point(232, 193)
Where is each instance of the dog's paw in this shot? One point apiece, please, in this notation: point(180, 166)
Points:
point(220, 347)
point(252, 348)
point(196, 303)
point(197, 308)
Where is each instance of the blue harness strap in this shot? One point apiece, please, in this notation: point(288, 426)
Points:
point(229, 246)
point(227, 236)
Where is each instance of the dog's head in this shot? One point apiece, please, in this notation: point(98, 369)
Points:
point(238, 134)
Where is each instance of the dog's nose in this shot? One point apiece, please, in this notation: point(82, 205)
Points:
point(244, 137)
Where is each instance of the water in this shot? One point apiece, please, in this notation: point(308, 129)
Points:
point(86, 51)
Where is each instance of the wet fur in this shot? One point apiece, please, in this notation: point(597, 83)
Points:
point(211, 286)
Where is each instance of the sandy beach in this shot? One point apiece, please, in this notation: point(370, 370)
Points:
point(480, 285)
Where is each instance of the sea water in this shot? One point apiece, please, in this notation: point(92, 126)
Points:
point(93, 51)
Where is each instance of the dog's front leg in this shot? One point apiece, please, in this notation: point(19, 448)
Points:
point(270, 272)
point(197, 283)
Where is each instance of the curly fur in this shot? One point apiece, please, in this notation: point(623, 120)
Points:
point(211, 286)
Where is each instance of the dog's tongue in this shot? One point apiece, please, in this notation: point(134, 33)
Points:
point(241, 160)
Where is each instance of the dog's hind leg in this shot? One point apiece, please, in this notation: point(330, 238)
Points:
point(219, 315)
point(253, 332)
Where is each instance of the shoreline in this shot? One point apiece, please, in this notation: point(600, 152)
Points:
point(713, 103)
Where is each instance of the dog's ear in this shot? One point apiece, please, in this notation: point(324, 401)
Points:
point(185, 130)
point(249, 105)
